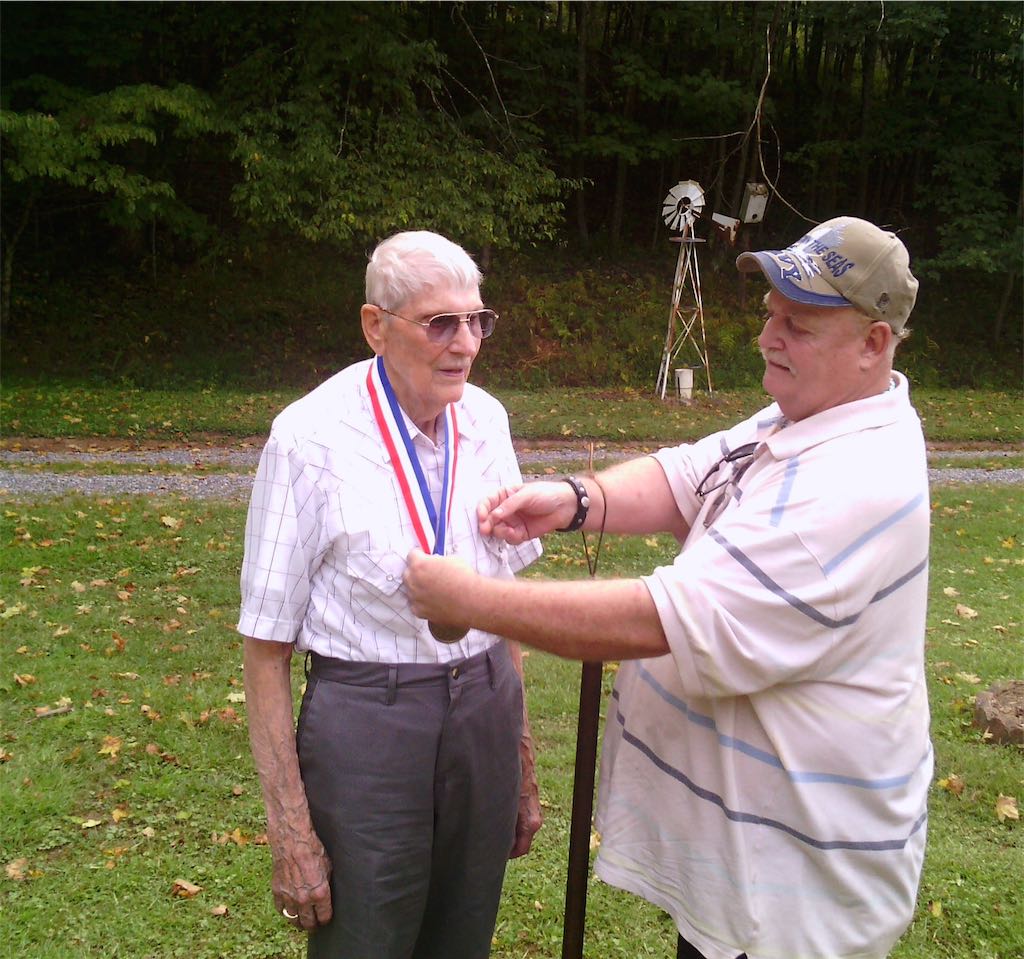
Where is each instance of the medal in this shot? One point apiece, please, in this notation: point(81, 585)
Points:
point(445, 633)
point(430, 525)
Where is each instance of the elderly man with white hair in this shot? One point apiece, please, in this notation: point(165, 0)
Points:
point(410, 781)
point(766, 759)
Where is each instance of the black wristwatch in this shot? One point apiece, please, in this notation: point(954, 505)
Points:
point(582, 505)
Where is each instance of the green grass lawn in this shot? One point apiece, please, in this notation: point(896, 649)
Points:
point(125, 762)
point(84, 411)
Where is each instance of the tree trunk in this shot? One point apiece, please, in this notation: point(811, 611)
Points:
point(867, 88)
point(10, 244)
point(582, 21)
point(1011, 282)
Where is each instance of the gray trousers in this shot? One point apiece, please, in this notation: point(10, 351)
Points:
point(412, 774)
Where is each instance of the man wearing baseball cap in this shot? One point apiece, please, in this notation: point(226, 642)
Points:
point(766, 757)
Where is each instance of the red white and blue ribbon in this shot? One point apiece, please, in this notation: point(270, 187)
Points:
point(430, 524)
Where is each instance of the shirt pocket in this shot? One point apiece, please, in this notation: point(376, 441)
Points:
point(377, 599)
point(493, 559)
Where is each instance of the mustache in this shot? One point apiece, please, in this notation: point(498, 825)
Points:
point(772, 356)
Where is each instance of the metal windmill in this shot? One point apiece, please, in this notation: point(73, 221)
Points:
point(680, 210)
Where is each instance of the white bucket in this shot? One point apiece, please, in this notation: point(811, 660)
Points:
point(684, 383)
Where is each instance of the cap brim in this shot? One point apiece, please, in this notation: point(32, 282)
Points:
point(782, 271)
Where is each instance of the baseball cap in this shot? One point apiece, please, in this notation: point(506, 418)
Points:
point(843, 262)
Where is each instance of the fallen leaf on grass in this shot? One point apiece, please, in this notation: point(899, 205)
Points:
point(952, 783)
point(171, 522)
point(965, 612)
point(951, 591)
point(220, 910)
point(184, 889)
point(969, 678)
point(24, 679)
point(1006, 808)
point(236, 836)
point(111, 746)
point(935, 908)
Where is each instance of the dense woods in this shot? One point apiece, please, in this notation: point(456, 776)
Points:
point(148, 137)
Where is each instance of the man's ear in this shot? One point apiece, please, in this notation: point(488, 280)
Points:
point(372, 318)
point(877, 344)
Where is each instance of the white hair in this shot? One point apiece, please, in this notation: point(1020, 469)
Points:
point(407, 264)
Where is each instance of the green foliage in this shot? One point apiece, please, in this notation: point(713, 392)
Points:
point(361, 140)
point(85, 141)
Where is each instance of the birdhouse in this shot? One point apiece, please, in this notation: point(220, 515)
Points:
point(755, 200)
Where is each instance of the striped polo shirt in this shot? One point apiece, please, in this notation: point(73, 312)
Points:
point(766, 782)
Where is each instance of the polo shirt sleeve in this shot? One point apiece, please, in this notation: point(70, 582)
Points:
point(745, 608)
point(686, 465)
point(284, 543)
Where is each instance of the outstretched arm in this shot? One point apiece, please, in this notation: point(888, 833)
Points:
point(633, 497)
point(591, 620)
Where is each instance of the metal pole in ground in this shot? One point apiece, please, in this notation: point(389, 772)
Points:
point(582, 812)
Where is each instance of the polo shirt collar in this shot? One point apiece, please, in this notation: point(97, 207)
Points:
point(872, 412)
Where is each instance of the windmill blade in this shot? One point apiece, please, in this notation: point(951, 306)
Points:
point(683, 204)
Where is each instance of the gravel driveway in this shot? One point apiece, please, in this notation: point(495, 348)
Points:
point(24, 473)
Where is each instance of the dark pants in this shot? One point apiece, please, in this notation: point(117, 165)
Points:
point(412, 775)
point(685, 951)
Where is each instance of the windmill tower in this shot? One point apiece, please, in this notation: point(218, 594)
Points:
point(680, 210)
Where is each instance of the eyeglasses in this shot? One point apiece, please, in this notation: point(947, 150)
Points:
point(443, 327)
point(733, 476)
point(741, 452)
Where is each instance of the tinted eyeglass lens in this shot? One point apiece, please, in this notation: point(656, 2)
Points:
point(486, 319)
point(444, 326)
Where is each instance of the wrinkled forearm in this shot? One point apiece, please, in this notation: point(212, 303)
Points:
point(526, 751)
point(272, 739)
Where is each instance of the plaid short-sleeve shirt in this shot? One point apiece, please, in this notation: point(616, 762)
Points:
point(328, 532)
